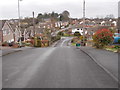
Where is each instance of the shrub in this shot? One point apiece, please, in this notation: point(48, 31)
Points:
point(61, 34)
point(77, 34)
point(119, 41)
point(5, 44)
point(102, 37)
point(37, 42)
point(117, 47)
point(83, 38)
point(58, 37)
point(55, 38)
point(75, 40)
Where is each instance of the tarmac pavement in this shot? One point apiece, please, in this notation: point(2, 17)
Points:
point(9, 50)
point(105, 59)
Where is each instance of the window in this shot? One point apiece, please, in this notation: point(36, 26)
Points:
point(6, 32)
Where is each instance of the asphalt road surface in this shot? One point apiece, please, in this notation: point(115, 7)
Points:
point(62, 66)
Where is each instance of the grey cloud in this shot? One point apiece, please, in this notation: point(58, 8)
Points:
point(92, 9)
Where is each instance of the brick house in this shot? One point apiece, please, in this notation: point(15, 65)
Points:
point(1, 33)
point(7, 33)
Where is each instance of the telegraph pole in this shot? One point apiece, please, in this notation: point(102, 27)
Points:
point(83, 21)
point(34, 24)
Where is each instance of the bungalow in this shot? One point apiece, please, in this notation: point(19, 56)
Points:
point(110, 23)
point(80, 30)
point(114, 23)
point(88, 23)
point(98, 22)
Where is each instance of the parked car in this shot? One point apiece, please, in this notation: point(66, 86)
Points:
point(116, 37)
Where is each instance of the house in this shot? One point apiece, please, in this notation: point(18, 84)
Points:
point(39, 30)
point(103, 23)
point(14, 26)
point(28, 32)
point(7, 33)
point(1, 32)
point(80, 30)
point(114, 23)
point(98, 22)
point(58, 24)
point(88, 23)
point(110, 23)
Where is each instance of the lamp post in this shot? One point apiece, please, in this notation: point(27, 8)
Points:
point(20, 44)
point(118, 23)
point(84, 21)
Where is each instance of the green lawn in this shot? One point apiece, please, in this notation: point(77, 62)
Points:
point(112, 48)
point(73, 44)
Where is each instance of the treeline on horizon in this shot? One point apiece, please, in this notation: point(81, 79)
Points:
point(53, 16)
point(41, 17)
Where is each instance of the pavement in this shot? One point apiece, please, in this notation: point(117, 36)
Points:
point(107, 60)
point(9, 50)
point(62, 66)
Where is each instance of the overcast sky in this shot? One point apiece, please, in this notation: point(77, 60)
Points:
point(94, 8)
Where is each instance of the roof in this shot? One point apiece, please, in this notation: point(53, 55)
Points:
point(94, 29)
point(13, 26)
